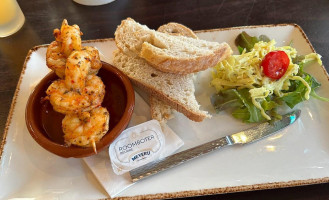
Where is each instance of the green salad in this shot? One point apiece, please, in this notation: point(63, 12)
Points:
point(262, 78)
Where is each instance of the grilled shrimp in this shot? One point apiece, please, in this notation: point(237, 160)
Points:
point(86, 128)
point(77, 67)
point(96, 63)
point(69, 37)
point(68, 101)
point(55, 60)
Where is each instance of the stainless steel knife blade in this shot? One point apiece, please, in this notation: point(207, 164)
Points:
point(244, 137)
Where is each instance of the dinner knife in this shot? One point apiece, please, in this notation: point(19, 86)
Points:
point(244, 137)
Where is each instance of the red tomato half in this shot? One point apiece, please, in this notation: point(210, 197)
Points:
point(275, 64)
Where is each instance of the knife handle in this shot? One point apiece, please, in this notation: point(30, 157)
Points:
point(177, 159)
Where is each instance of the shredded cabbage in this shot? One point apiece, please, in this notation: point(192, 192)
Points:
point(245, 71)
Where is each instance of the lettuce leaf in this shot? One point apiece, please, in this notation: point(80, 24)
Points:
point(241, 102)
point(245, 41)
point(240, 49)
point(297, 90)
point(248, 107)
point(224, 100)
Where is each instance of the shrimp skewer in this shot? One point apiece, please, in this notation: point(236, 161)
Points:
point(79, 92)
point(67, 101)
point(86, 128)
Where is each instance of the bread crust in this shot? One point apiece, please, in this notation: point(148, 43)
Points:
point(177, 29)
point(184, 66)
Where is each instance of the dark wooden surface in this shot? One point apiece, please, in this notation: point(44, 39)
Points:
point(42, 16)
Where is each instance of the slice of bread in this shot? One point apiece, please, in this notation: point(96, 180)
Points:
point(168, 53)
point(173, 89)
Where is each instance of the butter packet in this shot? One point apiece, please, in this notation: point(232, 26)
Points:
point(136, 146)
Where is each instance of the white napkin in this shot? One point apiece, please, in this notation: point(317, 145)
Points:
point(100, 164)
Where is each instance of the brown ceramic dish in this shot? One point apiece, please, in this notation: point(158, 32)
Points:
point(45, 125)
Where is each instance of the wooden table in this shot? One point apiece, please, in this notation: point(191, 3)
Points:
point(101, 21)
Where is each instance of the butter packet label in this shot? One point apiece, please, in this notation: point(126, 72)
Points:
point(136, 146)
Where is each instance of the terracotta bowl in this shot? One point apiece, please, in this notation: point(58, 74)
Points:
point(45, 125)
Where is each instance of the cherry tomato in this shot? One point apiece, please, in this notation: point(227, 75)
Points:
point(275, 64)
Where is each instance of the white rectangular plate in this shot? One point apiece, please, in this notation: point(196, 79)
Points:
point(295, 156)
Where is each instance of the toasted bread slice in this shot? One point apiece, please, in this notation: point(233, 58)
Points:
point(173, 89)
point(168, 53)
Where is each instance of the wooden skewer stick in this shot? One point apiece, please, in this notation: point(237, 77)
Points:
point(94, 145)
